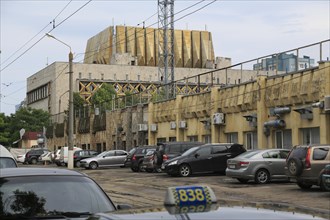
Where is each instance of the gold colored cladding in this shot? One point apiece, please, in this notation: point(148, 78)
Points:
point(87, 89)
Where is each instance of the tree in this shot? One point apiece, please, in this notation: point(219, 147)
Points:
point(78, 102)
point(104, 96)
point(29, 119)
point(4, 134)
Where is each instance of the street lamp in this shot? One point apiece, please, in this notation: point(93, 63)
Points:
point(70, 136)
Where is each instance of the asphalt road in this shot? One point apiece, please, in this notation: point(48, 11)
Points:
point(147, 190)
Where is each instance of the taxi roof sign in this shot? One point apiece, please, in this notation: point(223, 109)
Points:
point(189, 195)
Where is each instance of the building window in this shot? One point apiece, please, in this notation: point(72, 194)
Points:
point(207, 138)
point(172, 139)
point(79, 75)
point(102, 76)
point(161, 140)
point(310, 135)
point(193, 138)
point(251, 140)
point(283, 139)
point(232, 137)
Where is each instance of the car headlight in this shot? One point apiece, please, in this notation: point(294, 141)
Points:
point(173, 163)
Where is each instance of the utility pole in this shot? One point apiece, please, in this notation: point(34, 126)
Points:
point(70, 135)
point(166, 46)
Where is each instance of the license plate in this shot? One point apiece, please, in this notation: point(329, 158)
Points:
point(231, 166)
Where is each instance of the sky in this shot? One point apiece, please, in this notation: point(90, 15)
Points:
point(241, 30)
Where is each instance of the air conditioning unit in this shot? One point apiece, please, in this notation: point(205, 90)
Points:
point(182, 124)
point(153, 127)
point(218, 118)
point(142, 127)
point(327, 103)
point(172, 125)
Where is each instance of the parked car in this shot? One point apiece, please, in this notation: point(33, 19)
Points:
point(64, 155)
point(261, 166)
point(48, 193)
point(305, 163)
point(57, 155)
point(33, 155)
point(7, 160)
point(20, 158)
point(82, 154)
point(169, 150)
point(45, 157)
point(202, 159)
point(135, 157)
point(325, 178)
point(148, 161)
point(110, 158)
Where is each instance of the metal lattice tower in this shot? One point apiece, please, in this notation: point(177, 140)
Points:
point(166, 46)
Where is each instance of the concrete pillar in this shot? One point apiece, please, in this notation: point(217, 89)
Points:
point(262, 113)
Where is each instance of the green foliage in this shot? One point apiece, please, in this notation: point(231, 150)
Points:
point(27, 118)
point(78, 102)
point(103, 96)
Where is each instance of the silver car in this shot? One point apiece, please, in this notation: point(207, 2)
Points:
point(105, 159)
point(258, 165)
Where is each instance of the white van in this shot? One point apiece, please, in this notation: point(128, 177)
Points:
point(6, 158)
point(64, 155)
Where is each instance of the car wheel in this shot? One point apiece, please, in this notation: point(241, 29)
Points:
point(93, 165)
point(77, 164)
point(184, 170)
point(242, 180)
point(304, 185)
point(149, 170)
point(158, 170)
point(295, 166)
point(135, 169)
point(323, 186)
point(34, 161)
point(262, 176)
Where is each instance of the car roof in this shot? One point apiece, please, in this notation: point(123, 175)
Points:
point(15, 172)
point(4, 152)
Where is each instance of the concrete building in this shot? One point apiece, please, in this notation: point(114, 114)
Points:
point(269, 112)
point(284, 62)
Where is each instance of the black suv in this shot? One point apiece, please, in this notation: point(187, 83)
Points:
point(135, 157)
point(305, 163)
point(32, 156)
point(82, 154)
point(202, 159)
point(169, 150)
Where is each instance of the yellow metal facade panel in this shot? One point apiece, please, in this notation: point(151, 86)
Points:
point(205, 48)
point(140, 45)
point(196, 49)
point(130, 41)
point(178, 50)
point(187, 48)
point(276, 96)
point(150, 47)
point(120, 39)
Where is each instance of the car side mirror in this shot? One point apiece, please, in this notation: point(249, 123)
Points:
point(196, 155)
point(123, 206)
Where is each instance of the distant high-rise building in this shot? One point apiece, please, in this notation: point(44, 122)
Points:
point(284, 62)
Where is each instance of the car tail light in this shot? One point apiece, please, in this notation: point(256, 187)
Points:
point(307, 160)
point(244, 164)
point(165, 157)
point(75, 156)
point(134, 157)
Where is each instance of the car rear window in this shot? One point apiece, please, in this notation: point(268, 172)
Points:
point(299, 152)
point(320, 153)
point(173, 149)
point(49, 195)
point(6, 162)
point(220, 149)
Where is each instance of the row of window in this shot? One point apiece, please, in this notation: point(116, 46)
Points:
point(38, 94)
point(283, 138)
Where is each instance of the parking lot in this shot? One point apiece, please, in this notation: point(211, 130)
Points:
point(148, 189)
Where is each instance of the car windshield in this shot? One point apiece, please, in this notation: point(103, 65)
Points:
point(248, 154)
point(191, 150)
point(70, 196)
